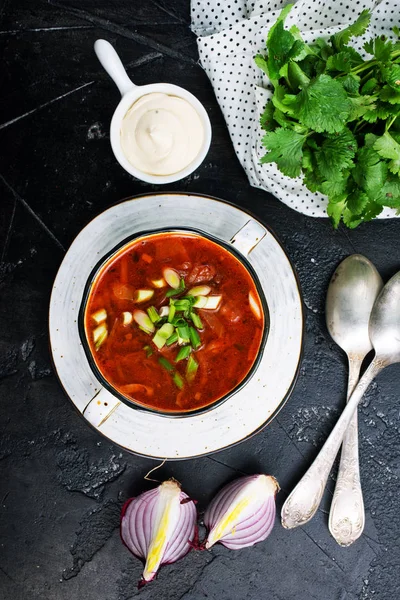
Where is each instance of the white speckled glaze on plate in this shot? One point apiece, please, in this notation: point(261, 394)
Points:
point(245, 412)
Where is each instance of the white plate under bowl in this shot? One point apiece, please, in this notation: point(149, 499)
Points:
point(242, 415)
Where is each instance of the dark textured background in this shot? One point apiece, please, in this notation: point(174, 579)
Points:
point(62, 484)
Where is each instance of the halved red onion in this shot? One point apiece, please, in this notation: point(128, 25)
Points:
point(158, 528)
point(242, 513)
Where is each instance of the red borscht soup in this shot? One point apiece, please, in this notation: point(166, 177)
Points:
point(174, 321)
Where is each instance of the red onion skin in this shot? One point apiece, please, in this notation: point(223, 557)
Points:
point(182, 546)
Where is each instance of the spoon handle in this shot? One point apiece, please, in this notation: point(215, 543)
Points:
point(111, 62)
point(303, 502)
point(346, 517)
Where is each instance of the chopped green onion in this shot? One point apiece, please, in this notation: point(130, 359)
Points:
point(166, 364)
point(100, 335)
point(143, 295)
point(182, 305)
point(194, 338)
point(144, 321)
point(100, 315)
point(158, 283)
point(171, 313)
point(254, 305)
point(172, 339)
point(196, 320)
point(172, 278)
point(148, 350)
point(164, 311)
point(191, 368)
point(126, 318)
point(163, 334)
point(166, 330)
point(183, 333)
point(177, 291)
point(179, 322)
point(190, 299)
point(153, 314)
point(101, 339)
point(200, 302)
point(212, 302)
point(177, 379)
point(200, 290)
point(183, 353)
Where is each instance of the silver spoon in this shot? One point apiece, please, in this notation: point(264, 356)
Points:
point(384, 332)
point(352, 292)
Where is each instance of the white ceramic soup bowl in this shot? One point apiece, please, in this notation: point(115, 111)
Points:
point(239, 246)
point(131, 93)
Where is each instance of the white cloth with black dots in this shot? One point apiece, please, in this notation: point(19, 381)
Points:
point(230, 33)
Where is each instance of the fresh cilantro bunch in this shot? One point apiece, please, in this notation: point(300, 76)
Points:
point(334, 118)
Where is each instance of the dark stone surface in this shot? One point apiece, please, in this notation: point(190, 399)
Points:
point(61, 483)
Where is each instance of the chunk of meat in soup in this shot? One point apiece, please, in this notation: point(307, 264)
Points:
point(201, 274)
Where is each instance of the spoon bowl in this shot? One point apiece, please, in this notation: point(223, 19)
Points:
point(130, 94)
point(352, 292)
point(384, 324)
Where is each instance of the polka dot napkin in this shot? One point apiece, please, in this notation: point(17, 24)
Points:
point(230, 33)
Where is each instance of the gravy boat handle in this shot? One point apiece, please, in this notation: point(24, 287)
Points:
point(112, 64)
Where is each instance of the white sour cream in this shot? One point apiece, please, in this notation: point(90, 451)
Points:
point(161, 134)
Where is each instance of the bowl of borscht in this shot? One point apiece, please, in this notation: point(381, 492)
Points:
point(173, 321)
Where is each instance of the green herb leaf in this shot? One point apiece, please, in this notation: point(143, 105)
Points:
point(336, 153)
point(280, 94)
point(393, 77)
point(357, 201)
point(370, 171)
point(285, 148)
point(344, 61)
point(351, 83)
point(261, 63)
point(335, 189)
point(282, 46)
point(323, 105)
point(335, 211)
point(387, 147)
point(267, 117)
point(382, 49)
point(340, 39)
point(296, 76)
point(369, 86)
point(361, 105)
point(389, 193)
point(388, 94)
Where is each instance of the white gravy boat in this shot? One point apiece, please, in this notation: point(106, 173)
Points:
point(131, 93)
